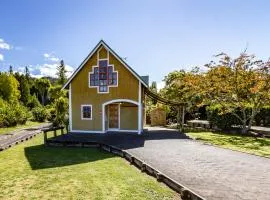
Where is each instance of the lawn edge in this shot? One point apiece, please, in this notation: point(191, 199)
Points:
point(215, 145)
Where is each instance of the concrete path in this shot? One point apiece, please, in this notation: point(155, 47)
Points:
point(212, 172)
point(15, 137)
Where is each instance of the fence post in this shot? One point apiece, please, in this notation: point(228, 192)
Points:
point(54, 132)
point(62, 130)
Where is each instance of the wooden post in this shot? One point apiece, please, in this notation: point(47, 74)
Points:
point(62, 130)
point(66, 128)
point(183, 118)
point(54, 132)
point(45, 136)
point(178, 117)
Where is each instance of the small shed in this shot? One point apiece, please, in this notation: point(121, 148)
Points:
point(158, 117)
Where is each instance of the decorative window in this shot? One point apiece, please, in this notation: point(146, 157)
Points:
point(103, 76)
point(86, 112)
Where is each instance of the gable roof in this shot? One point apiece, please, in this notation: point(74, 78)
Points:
point(102, 43)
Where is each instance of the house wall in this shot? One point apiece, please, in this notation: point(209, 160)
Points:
point(128, 87)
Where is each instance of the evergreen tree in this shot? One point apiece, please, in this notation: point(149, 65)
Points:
point(61, 73)
point(23, 87)
point(10, 69)
point(43, 86)
point(153, 88)
point(27, 73)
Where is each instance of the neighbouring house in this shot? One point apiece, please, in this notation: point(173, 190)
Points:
point(106, 94)
point(158, 117)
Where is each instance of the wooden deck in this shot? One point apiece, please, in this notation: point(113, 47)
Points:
point(120, 140)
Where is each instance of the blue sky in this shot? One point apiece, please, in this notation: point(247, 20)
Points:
point(156, 37)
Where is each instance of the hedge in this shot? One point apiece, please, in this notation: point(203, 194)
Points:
point(225, 121)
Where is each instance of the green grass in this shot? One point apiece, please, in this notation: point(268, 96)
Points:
point(32, 171)
point(252, 145)
point(28, 124)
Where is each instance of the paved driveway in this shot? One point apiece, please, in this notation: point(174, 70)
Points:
point(212, 172)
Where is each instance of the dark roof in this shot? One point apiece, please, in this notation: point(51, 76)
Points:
point(145, 79)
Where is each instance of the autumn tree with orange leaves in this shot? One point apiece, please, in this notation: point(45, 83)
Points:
point(241, 86)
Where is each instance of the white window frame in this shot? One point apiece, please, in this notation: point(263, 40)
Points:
point(84, 105)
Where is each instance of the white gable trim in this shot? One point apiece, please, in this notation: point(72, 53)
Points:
point(89, 56)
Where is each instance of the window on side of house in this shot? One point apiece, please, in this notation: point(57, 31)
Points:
point(86, 112)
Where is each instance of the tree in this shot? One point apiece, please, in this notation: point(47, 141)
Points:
point(42, 86)
point(10, 70)
point(61, 73)
point(61, 108)
point(23, 87)
point(183, 86)
point(241, 86)
point(56, 92)
point(153, 88)
point(9, 87)
point(27, 73)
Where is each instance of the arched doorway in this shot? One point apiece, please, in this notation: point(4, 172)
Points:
point(123, 115)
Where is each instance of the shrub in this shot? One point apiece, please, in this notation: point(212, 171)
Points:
point(51, 114)
point(33, 102)
point(263, 117)
point(12, 114)
point(222, 121)
point(21, 113)
point(40, 114)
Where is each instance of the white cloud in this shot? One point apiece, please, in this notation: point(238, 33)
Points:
point(47, 69)
point(1, 57)
point(160, 85)
point(4, 45)
point(51, 57)
point(46, 55)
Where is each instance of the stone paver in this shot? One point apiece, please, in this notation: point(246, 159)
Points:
point(212, 172)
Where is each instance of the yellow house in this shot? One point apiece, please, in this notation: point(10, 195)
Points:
point(106, 94)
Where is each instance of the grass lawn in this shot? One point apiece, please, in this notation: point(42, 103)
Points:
point(257, 146)
point(18, 127)
point(32, 171)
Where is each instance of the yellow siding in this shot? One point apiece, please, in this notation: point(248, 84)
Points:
point(103, 53)
point(82, 94)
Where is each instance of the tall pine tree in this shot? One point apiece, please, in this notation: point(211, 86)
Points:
point(10, 69)
point(27, 73)
point(61, 73)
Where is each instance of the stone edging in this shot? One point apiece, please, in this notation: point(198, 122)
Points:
point(186, 193)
